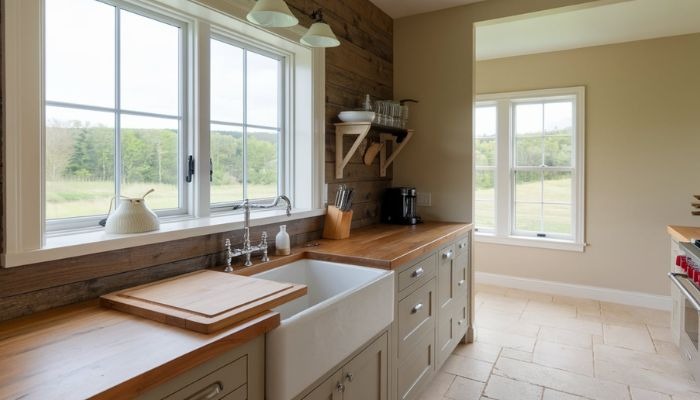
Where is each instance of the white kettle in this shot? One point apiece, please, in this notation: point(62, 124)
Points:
point(131, 216)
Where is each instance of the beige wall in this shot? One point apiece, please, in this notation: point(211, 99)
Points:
point(433, 62)
point(642, 158)
point(647, 172)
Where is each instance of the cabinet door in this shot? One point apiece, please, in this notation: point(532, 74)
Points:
point(446, 298)
point(330, 389)
point(366, 375)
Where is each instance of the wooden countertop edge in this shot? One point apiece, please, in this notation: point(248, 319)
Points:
point(683, 233)
point(244, 332)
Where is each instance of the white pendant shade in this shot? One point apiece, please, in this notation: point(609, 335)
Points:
point(272, 14)
point(320, 35)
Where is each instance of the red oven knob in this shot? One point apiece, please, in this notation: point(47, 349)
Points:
point(679, 260)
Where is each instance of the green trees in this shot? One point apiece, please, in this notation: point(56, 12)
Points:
point(86, 153)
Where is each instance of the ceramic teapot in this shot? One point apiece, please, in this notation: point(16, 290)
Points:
point(131, 216)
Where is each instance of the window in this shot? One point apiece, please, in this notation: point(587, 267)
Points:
point(528, 167)
point(109, 98)
point(114, 109)
point(246, 120)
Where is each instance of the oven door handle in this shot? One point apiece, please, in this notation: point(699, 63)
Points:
point(676, 279)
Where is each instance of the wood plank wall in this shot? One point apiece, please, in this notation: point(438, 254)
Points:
point(361, 65)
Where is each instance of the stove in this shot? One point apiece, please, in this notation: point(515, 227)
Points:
point(688, 283)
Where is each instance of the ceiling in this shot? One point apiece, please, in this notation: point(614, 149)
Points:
point(404, 8)
point(604, 22)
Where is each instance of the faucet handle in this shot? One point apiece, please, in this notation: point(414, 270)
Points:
point(263, 238)
point(229, 255)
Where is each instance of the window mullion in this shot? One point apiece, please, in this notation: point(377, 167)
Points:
point(117, 103)
point(245, 123)
point(504, 201)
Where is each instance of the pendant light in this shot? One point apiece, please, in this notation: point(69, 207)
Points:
point(319, 34)
point(272, 14)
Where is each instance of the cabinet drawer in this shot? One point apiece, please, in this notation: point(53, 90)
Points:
point(460, 320)
point(239, 394)
point(415, 370)
point(217, 384)
point(418, 272)
point(416, 316)
point(462, 246)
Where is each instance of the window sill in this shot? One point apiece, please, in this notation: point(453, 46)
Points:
point(78, 243)
point(552, 244)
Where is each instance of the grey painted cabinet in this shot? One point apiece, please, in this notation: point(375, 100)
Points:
point(432, 316)
point(364, 377)
point(238, 374)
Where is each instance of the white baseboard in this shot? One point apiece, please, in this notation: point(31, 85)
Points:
point(638, 299)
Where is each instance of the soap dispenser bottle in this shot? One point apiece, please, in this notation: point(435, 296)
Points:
point(282, 245)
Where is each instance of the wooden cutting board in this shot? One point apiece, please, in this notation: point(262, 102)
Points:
point(203, 301)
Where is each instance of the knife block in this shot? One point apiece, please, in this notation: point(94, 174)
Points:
point(337, 225)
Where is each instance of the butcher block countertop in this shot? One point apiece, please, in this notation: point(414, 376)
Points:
point(683, 233)
point(388, 246)
point(85, 351)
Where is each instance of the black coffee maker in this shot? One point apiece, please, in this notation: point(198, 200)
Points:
point(399, 206)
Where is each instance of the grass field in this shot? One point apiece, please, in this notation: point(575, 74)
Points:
point(557, 217)
point(65, 199)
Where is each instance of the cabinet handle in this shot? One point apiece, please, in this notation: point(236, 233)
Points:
point(416, 308)
point(349, 376)
point(208, 392)
point(447, 255)
point(340, 387)
point(417, 272)
point(462, 245)
point(460, 322)
point(460, 283)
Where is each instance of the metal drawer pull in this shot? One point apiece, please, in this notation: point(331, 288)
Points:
point(460, 283)
point(417, 272)
point(349, 376)
point(208, 392)
point(447, 255)
point(340, 387)
point(462, 245)
point(675, 278)
point(416, 308)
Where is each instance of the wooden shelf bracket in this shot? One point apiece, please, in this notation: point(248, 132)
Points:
point(361, 129)
point(396, 148)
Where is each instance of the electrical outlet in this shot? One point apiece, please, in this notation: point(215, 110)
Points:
point(424, 199)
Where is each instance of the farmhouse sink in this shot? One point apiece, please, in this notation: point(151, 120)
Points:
point(345, 307)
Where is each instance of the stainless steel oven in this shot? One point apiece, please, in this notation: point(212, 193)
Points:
point(689, 285)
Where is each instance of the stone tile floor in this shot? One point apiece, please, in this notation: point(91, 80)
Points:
point(545, 347)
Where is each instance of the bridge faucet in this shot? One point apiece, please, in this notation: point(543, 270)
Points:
point(248, 249)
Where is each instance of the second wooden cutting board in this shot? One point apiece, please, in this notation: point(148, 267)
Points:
point(203, 301)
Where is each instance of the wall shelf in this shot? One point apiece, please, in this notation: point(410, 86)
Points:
point(398, 137)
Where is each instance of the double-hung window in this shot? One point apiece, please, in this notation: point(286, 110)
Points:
point(114, 109)
point(529, 168)
point(246, 122)
point(107, 99)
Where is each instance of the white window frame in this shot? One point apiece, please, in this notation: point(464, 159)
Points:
point(505, 232)
point(73, 223)
point(25, 231)
point(229, 37)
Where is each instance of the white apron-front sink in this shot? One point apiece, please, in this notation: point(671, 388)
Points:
point(345, 307)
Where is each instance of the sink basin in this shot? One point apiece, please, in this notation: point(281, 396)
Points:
point(345, 307)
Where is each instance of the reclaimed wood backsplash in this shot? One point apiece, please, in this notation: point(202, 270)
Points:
point(361, 65)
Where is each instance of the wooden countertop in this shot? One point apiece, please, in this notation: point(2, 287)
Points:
point(378, 246)
point(683, 233)
point(388, 246)
point(84, 351)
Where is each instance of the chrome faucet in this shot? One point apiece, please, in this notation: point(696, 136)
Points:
point(249, 249)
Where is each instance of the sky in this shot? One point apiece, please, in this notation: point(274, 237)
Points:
point(80, 68)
